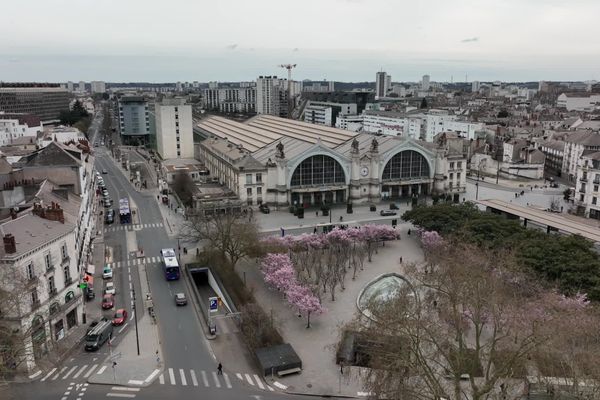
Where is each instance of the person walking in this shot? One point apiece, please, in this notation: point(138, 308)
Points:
point(219, 369)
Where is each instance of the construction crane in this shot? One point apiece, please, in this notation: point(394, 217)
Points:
point(289, 68)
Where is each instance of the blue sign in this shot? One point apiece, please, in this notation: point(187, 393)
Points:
point(213, 304)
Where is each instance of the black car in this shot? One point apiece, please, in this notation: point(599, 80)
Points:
point(386, 213)
point(264, 209)
point(393, 206)
point(109, 218)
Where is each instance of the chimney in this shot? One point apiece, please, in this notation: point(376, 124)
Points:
point(54, 213)
point(10, 245)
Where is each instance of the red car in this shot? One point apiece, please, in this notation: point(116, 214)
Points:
point(120, 317)
point(108, 301)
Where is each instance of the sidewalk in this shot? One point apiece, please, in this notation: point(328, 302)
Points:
point(132, 369)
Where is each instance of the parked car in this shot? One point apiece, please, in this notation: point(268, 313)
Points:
point(109, 218)
point(120, 317)
point(98, 335)
point(104, 172)
point(107, 273)
point(108, 203)
point(393, 206)
point(180, 299)
point(108, 301)
point(385, 213)
point(264, 209)
point(109, 288)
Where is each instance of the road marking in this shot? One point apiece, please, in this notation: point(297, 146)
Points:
point(80, 371)
point(152, 375)
point(101, 370)
point(171, 376)
point(182, 376)
point(126, 395)
point(135, 382)
point(270, 388)
point(249, 379)
point(259, 382)
point(129, 276)
point(204, 379)
point(132, 315)
point(35, 375)
point(279, 385)
point(59, 373)
point(161, 379)
point(48, 375)
point(87, 374)
point(217, 383)
point(239, 376)
point(124, 326)
point(227, 381)
point(125, 389)
point(194, 380)
point(70, 372)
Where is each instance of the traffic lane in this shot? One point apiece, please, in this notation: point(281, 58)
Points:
point(158, 391)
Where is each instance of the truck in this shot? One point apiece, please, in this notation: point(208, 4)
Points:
point(99, 334)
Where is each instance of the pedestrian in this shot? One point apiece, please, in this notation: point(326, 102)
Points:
point(282, 231)
point(315, 230)
point(400, 259)
point(317, 213)
point(185, 250)
point(341, 218)
point(408, 232)
point(219, 369)
point(516, 195)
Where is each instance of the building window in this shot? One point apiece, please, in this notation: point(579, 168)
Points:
point(67, 273)
point(51, 285)
point(458, 177)
point(459, 165)
point(63, 250)
point(178, 146)
point(248, 179)
point(176, 109)
point(178, 153)
point(34, 296)
point(48, 261)
point(177, 124)
point(318, 170)
point(594, 200)
point(30, 271)
point(451, 165)
point(451, 176)
point(407, 164)
point(259, 191)
point(258, 177)
point(581, 198)
point(249, 192)
point(595, 188)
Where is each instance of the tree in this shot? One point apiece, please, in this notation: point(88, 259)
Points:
point(469, 316)
point(424, 103)
point(306, 302)
point(183, 185)
point(231, 234)
point(503, 114)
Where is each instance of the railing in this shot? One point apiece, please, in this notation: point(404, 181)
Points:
point(65, 260)
point(49, 268)
point(35, 305)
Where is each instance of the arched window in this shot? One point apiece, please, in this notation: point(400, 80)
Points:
point(37, 321)
point(318, 170)
point(69, 296)
point(54, 308)
point(407, 164)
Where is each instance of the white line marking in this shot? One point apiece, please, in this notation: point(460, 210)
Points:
point(126, 395)
point(249, 379)
point(217, 383)
point(59, 373)
point(125, 389)
point(182, 376)
point(279, 385)
point(270, 388)
point(101, 370)
point(171, 376)
point(239, 376)
point(135, 382)
point(48, 375)
point(152, 375)
point(63, 398)
point(35, 375)
point(70, 372)
point(161, 379)
point(204, 379)
point(80, 371)
point(227, 381)
point(87, 374)
point(123, 328)
point(132, 315)
point(259, 382)
point(193, 375)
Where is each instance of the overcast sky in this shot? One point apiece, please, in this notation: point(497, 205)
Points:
point(344, 40)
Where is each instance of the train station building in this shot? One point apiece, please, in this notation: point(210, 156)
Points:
point(279, 161)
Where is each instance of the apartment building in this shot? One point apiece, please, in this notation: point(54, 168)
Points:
point(174, 129)
point(45, 101)
point(14, 126)
point(233, 98)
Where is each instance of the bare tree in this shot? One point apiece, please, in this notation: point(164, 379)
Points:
point(466, 329)
point(232, 234)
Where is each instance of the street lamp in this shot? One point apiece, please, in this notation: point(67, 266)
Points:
point(137, 337)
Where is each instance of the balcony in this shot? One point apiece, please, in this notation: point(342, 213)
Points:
point(583, 179)
point(65, 260)
point(35, 305)
point(582, 190)
point(49, 269)
point(68, 281)
point(52, 292)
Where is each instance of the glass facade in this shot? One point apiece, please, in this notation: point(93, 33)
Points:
point(318, 170)
point(406, 165)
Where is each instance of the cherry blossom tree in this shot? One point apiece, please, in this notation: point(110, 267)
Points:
point(278, 271)
point(307, 303)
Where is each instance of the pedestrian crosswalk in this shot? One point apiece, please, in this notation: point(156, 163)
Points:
point(152, 261)
point(135, 227)
point(170, 376)
point(183, 377)
point(123, 392)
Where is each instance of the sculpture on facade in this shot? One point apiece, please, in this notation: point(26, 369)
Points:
point(355, 146)
point(279, 153)
point(374, 145)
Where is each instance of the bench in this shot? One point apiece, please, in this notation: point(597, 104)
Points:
point(288, 371)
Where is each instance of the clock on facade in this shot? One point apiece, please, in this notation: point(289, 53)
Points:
point(364, 171)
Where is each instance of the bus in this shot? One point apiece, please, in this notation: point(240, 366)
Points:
point(170, 264)
point(124, 211)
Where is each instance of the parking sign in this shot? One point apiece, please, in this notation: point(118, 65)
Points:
point(213, 304)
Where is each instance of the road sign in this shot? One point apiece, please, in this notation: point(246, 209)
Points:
point(82, 285)
point(213, 304)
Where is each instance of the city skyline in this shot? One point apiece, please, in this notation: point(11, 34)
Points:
point(540, 40)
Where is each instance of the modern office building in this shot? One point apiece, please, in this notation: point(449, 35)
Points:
point(174, 130)
point(425, 83)
point(134, 119)
point(383, 82)
point(44, 100)
point(318, 86)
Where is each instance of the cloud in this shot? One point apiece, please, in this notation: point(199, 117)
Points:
point(232, 46)
point(469, 40)
point(296, 49)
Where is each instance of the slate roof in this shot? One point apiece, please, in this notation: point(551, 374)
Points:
point(54, 155)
